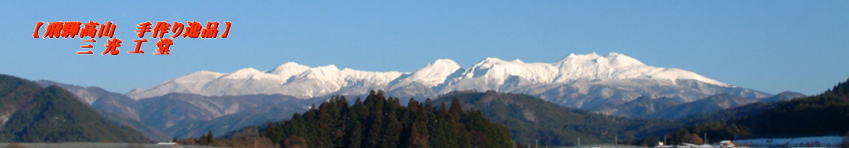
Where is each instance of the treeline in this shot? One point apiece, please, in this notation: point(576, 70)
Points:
point(377, 121)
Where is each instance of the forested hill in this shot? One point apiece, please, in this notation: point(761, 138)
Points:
point(823, 114)
point(377, 121)
point(30, 113)
point(533, 120)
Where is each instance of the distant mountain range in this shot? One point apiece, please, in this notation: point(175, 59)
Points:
point(585, 81)
point(666, 108)
point(187, 115)
point(31, 113)
point(589, 96)
point(720, 117)
point(532, 120)
point(614, 84)
point(529, 118)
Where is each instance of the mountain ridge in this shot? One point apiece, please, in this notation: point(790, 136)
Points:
point(823, 114)
point(532, 120)
point(572, 81)
point(185, 115)
point(31, 113)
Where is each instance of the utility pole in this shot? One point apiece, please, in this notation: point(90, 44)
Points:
point(616, 140)
point(536, 143)
point(706, 139)
point(579, 141)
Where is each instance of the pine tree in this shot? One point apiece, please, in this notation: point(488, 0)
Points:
point(455, 110)
point(392, 134)
point(418, 135)
point(382, 122)
point(207, 139)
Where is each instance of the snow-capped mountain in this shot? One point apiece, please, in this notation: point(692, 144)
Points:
point(289, 79)
point(583, 81)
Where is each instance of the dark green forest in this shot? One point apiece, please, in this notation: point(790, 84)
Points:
point(53, 114)
point(377, 121)
point(823, 114)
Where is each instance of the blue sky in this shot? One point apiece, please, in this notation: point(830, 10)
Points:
point(768, 45)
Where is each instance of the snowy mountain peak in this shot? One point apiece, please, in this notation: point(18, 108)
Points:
point(330, 67)
point(321, 72)
point(623, 60)
point(443, 63)
point(249, 73)
point(592, 55)
point(617, 66)
point(184, 84)
point(198, 76)
point(289, 67)
point(433, 74)
point(612, 59)
point(488, 74)
point(202, 73)
point(489, 61)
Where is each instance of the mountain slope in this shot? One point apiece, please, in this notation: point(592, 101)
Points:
point(707, 105)
point(116, 107)
point(52, 114)
point(823, 114)
point(671, 109)
point(189, 115)
point(642, 107)
point(784, 96)
point(583, 81)
point(531, 119)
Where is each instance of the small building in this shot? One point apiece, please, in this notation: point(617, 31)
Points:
point(727, 144)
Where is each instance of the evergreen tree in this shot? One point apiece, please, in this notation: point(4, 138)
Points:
point(456, 109)
point(378, 121)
